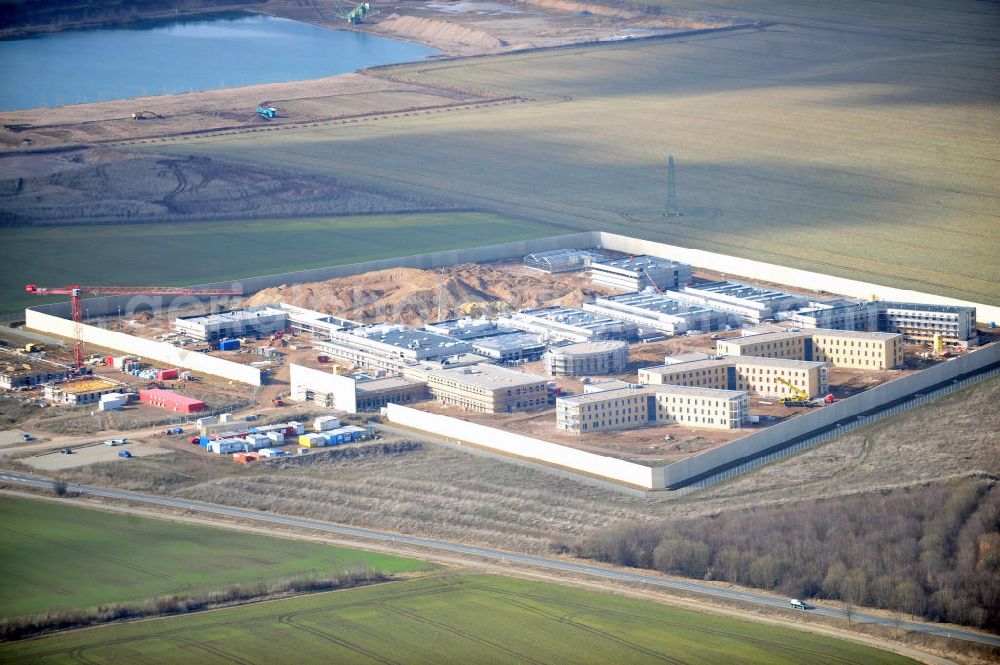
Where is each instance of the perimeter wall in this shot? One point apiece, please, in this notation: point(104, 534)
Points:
point(524, 446)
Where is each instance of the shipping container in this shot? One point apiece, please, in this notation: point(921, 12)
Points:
point(324, 423)
point(167, 374)
point(229, 345)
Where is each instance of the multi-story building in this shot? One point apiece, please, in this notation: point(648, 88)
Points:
point(19, 371)
point(587, 359)
point(467, 328)
point(568, 324)
point(510, 348)
point(373, 394)
point(767, 377)
point(390, 347)
point(80, 391)
point(251, 322)
point(655, 312)
point(839, 348)
point(487, 388)
point(751, 303)
point(635, 273)
point(628, 408)
point(915, 321)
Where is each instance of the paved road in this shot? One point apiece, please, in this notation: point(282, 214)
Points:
point(496, 555)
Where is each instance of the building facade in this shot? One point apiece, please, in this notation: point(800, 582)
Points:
point(839, 348)
point(569, 324)
point(587, 359)
point(487, 388)
point(655, 312)
point(636, 273)
point(917, 322)
point(628, 408)
point(766, 377)
point(752, 304)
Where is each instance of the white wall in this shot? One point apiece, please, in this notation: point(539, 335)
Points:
point(770, 272)
point(161, 352)
point(524, 446)
point(342, 388)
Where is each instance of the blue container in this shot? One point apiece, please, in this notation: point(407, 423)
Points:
point(229, 345)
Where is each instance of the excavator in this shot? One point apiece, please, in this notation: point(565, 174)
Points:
point(801, 397)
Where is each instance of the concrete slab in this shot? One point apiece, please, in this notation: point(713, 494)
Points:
point(55, 460)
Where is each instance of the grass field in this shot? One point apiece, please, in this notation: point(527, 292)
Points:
point(198, 252)
point(826, 141)
point(59, 557)
point(461, 620)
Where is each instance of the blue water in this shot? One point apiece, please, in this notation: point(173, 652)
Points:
point(222, 51)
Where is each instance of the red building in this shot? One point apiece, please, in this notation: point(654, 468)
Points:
point(167, 399)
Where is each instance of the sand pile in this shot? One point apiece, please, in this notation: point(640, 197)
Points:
point(412, 296)
point(433, 31)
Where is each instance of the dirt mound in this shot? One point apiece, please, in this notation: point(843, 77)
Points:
point(412, 296)
point(433, 31)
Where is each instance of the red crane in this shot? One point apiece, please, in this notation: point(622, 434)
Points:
point(76, 291)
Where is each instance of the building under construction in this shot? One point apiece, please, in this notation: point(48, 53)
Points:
point(22, 371)
point(636, 273)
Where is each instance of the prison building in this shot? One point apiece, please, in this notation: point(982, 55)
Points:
point(561, 260)
point(467, 328)
point(316, 324)
point(487, 388)
point(752, 304)
point(655, 312)
point(839, 348)
point(389, 347)
point(18, 371)
point(766, 377)
point(915, 321)
point(587, 359)
point(510, 348)
point(373, 394)
point(80, 391)
point(568, 324)
point(628, 408)
point(601, 385)
point(636, 273)
point(252, 322)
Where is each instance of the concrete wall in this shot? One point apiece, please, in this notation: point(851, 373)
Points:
point(161, 352)
point(342, 388)
point(826, 416)
point(781, 275)
point(524, 446)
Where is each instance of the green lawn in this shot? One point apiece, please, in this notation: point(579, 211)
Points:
point(826, 142)
point(53, 556)
point(199, 252)
point(460, 620)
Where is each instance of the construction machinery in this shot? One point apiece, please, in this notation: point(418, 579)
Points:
point(801, 397)
point(267, 112)
point(33, 348)
point(75, 293)
point(355, 15)
point(145, 115)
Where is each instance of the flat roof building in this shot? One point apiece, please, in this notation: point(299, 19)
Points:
point(487, 388)
point(587, 359)
point(636, 273)
point(917, 322)
point(751, 303)
point(652, 311)
point(839, 348)
point(561, 260)
point(767, 377)
point(352, 393)
point(467, 328)
point(628, 408)
point(80, 391)
point(21, 371)
point(251, 322)
point(390, 347)
point(510, 348)
point(569, 324)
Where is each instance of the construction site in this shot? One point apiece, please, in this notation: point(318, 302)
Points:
point(563, 347)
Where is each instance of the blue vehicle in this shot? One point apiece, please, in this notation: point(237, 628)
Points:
point(124, 454)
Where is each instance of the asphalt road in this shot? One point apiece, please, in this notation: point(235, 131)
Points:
point(499, 556)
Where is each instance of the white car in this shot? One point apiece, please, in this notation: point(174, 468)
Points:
point(799, 605)
point(116, 442)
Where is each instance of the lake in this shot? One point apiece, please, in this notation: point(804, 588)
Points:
point(220, 51)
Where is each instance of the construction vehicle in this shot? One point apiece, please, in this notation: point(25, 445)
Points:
point(75, 293)
point(801, 397)
point(266, 112)
point(145, 115)
point(356, 15)
point(277, 401)
point(33, 348)
point(829, 399)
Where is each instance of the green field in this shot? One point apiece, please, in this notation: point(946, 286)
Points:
point(199, 252)
point(461, 620)
point(53, 556)
point(830, 141)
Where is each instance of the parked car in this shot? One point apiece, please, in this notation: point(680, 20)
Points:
point(66, 451)
point(115, 442)
point(124, 454)
point(799, 605)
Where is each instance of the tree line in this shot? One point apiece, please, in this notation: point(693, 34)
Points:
point(931, 551)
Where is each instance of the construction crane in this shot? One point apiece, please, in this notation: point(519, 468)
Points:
point(801, 396)
point(75, 293)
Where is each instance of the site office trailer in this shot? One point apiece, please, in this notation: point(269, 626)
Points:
point(166, 399)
